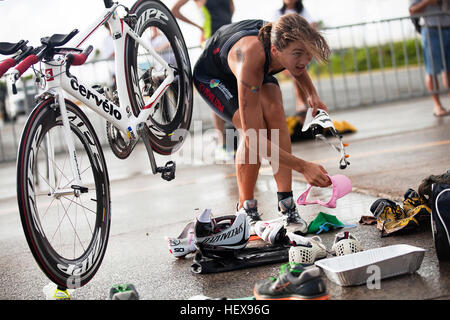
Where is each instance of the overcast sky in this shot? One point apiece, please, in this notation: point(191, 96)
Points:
point(32, 19)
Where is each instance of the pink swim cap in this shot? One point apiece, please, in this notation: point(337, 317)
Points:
point(341, 186)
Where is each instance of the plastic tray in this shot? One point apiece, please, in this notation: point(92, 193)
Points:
point(353, 269)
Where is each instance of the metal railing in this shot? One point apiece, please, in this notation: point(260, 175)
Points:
point(374, 62)
point(371, 63)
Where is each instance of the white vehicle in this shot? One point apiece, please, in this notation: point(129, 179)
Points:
point(22, 101)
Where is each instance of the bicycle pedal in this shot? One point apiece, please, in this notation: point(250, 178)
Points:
point(168, 171)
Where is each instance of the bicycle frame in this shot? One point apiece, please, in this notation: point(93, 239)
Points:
point(122, 117)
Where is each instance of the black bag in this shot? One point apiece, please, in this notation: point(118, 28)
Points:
point(417, 26)
point(440, 219)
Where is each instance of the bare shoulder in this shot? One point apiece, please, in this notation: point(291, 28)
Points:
point(248, 52)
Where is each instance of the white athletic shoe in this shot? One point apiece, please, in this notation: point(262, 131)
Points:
point(272, 231)
point(250, 207)
point(306, 250)
point(184, 244)
point(292, 220)
point(345, 243)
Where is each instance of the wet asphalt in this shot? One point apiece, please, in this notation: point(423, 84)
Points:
point(396, 145)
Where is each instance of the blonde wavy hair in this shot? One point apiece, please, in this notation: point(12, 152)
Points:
point(292, 27)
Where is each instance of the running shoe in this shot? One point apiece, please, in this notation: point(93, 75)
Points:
point(416, 206)
point(412, 199)
point(391, 217)
point(125, 291)
point(292, 221)
point(184, 243)
point(345, 243)
point(295, 282)
point(250, 207)
point(405, 225)
point(387, 210)
point(306, 250)
point(272, 232)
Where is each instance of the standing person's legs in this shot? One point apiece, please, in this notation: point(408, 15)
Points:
point(225, 149)
point(445, 80)
point(247, 166)
point(247, 172)
point(219, 124)
point(275, 119)
point(446, 44)
point(433, 86)
point(434, 65)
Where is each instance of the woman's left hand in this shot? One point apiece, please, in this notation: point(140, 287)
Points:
point(315, 103)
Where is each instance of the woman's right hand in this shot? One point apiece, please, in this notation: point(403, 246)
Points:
point(315, 175)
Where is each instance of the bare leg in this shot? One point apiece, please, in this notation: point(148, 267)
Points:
point(432, 84)
point(246, 172)
point(219, 124)
point(445, 80)
point(275, 119)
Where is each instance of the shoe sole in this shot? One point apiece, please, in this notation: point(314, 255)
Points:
point(291, 297)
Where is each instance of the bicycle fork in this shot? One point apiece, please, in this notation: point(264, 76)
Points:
point(77, 187)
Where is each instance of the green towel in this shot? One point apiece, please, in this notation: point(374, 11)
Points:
point(325, 222)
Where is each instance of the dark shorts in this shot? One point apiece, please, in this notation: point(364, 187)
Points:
point(219, 89)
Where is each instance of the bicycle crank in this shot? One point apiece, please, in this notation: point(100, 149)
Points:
point(168, 171)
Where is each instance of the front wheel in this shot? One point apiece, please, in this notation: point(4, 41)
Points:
point(66, 229)
point(156, 24)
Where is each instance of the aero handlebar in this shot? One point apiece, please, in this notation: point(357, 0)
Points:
point(25, 64)
point(79, 59)
point(5, 65)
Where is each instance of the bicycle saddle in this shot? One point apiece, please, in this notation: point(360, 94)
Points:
point(58, 40)
point(7, 48)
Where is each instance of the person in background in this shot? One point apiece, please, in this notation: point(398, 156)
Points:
point(296, 6)
point(216, 13)
point(435, 62)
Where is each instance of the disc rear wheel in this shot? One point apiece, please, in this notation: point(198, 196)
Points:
point(171, 116)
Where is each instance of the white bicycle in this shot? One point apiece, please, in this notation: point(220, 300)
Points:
point(64, 195)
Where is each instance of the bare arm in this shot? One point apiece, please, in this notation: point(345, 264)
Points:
point(177, 13)
point(310, 92)
point(421, 6)
point(249, 75)
point(232, 6)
